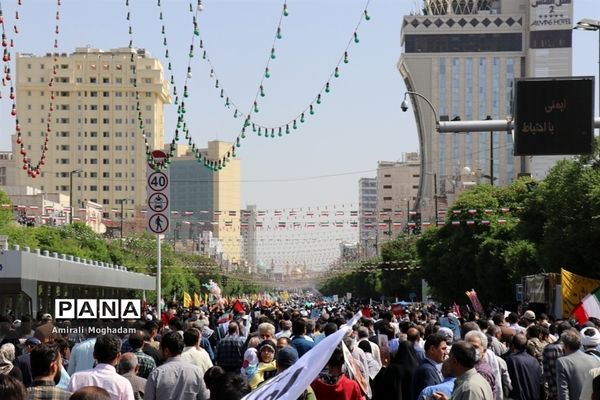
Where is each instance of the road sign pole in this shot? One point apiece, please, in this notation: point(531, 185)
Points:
point(158, 283)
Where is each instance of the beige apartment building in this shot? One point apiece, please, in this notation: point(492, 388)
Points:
point(397, 189)
point(95, 128)
point(463, 56)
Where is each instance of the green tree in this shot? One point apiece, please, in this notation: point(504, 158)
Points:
point(6, 213)
point(398, 274)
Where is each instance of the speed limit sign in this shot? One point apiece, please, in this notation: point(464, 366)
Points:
point(158, 181)
point(158, 212)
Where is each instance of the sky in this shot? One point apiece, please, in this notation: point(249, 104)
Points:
point(358, 123)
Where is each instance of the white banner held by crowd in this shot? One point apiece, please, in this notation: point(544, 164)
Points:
point(291, 383)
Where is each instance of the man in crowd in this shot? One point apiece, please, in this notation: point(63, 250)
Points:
point(573, 367)
point(549, 356)
point(286, 329)
point(193, 353)
point(175, 379)
point(146, 364)
point(230, 350)
point(82, 355)
point(46, 365)
point(107, 352)
point(524, 370)
point(469, 385)
point(129, 367)
point(299, 341)
point(428, 373)
point(24, 360)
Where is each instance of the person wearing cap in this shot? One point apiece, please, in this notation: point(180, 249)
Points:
point(529, 317)
point(23, 362)
point(267, 365)
point(286, 357)
point(572, 368)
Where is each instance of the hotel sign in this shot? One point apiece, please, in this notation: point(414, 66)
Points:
point(548, 15)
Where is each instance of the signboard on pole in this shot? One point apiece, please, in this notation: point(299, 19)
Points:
point(554, 116)
point(159, 210)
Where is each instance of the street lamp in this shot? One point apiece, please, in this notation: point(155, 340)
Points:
point(587, 24)
point(77, 171)
point(404, 105)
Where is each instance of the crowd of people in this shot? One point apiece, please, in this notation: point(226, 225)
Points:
point(419, 352)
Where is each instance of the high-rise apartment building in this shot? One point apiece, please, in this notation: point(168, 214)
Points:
point(464, 56)
point(94, 123)
point(397, 189)
point(250, 237)
point(212, 199)
point(367, 215)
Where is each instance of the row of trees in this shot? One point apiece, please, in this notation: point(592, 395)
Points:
point(181, 272)
point(551, 224)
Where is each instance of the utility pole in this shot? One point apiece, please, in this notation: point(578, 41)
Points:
point(492, 158)
point(407, 215)
point(435, 198)
point(122, 222)
point(489, 118)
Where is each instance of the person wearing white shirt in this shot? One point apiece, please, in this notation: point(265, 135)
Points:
point(107, 351)
point(193, 353)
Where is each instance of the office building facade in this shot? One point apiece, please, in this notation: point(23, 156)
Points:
point(367, 215)
point(207, 201)
point(464, 57)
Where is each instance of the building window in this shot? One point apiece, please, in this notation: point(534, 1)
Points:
point(106, 174)
point(106, 188)
point(105, 161)
point(387, 198)
point(105, 134)
point(105, 80)
point(105, 147)
point(93, 161)
point(93, 188)
point(387, 186)
point(92, 80)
